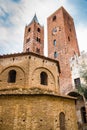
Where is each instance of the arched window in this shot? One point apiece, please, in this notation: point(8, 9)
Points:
point(62, 121)
point(83, 114)
point(12, 76)
point(38, 29)
point(54, 18)
point(55, 54)
point(44, 78)
point(54, 42)
point(29, 29)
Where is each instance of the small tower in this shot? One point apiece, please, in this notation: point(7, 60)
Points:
point(34, 37)
point(62, 44)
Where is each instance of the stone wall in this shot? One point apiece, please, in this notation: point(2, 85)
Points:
point(28, 68)
point(36, 112)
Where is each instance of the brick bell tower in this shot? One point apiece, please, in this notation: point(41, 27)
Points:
point(62, 44)
point(34, 37)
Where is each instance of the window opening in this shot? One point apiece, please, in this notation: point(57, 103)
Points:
point(44, 78)
point(37, 39)
point(55, 54)
point(27, 50)
point(77, 82)
point(83, 114)
point(12, 76)
point(29, 29)
point(68, 38)
point(27, 40)
point(54, 18)
point(62, 121)
point(38, 50)
point(54, 42)
point(38, 29)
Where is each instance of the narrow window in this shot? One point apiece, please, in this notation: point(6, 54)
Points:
point(54, 42)
point(12, 76)
point(55, 54)
point(38, 29)
point(54, 18)
point(62, 121)
point(44, 78)
point(38, 50)
point(28, 40)
point(37, 39)
point(27, 50)
point(29, 29)
point(77, 82)
point(83, 114)
point(68, 38)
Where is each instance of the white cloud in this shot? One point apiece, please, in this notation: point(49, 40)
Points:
point(82, 36)
point(22, 13)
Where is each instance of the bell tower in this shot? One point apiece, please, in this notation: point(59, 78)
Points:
point(62, 44)
point(34, 37)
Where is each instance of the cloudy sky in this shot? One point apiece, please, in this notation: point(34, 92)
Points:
point(15, 14)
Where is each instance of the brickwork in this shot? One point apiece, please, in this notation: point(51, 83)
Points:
point(34, 38)
point(61, 28)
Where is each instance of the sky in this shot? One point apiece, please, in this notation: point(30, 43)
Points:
point(16, 14)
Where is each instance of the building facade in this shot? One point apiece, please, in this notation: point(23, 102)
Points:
point(33, 87)
point(34, 37)
point(62, 44)
point(29, 95)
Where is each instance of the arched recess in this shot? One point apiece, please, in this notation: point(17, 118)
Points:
point(80, 107)
point(36, 77)
point(18, 76)
point(62, 121)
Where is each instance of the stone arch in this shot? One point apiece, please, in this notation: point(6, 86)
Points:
point(12, 67)
point(36, 76)
point(80, 107)
point(20, 77)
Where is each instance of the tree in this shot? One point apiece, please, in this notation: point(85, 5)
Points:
point(83, 87)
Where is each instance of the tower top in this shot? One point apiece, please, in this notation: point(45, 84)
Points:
point(34, 19)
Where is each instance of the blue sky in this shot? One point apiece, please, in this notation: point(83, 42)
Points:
point(15, 14)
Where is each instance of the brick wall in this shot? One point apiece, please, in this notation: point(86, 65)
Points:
point(62, 30)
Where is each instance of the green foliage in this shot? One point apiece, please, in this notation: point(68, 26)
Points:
point(83, 88)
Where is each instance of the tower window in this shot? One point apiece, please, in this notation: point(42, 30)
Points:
point(12, 76)
point(38, 29)
point(43, 78)
point(54, 42)
point(68, 38)
point(37, 50)
point(29, 29)
point(27, 40)
point(77, 82)
point(38, 39)
point(62, 121)
point(55, 54)
point(27, 50)
point(54, 18)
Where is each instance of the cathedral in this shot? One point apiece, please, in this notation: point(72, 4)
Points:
point(36, 91)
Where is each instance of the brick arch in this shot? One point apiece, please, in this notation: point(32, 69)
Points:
point(36, 77)
point(12, 67)
point(20, 77)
